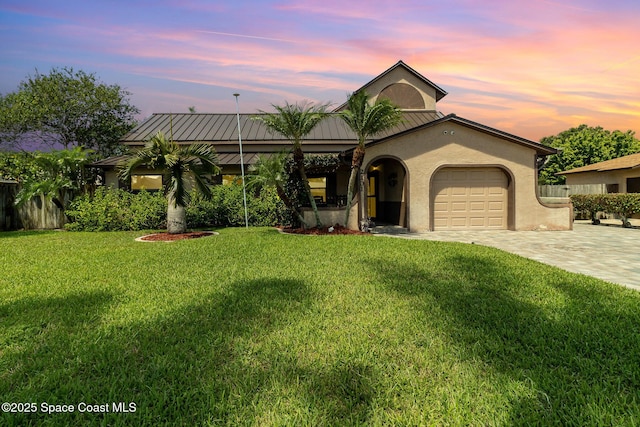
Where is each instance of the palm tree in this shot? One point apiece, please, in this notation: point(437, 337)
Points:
point(60, 174)
point(295, 122)
point(268, 171)
point(193, 161)
point(366, 121)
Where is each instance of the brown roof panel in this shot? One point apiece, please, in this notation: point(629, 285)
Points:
point(222, 129)
point(626, 162)
point(188, 128)
point(111, 161)
point(234, 159)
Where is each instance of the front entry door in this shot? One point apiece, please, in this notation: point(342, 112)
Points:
point(372, 195)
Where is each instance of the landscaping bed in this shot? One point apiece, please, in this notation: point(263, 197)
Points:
point(315, 231)
point(166, 237)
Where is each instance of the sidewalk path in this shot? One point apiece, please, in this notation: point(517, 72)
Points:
point(608, 252)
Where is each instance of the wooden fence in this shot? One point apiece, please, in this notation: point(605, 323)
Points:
point(568, 190)
point(38, 213)
point(8, 214)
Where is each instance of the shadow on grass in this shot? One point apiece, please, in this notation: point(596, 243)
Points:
point(578, 346)
point(25, 233)
point(35, 332)
point(212, 362)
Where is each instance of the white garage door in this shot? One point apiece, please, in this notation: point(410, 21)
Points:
point(470, 198)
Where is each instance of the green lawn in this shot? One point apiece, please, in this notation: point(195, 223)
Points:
point(258, 328)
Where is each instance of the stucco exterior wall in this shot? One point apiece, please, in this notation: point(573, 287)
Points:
point(450, 144)
point(332, 216)
point(609, 177)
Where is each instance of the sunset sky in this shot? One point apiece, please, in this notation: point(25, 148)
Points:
point(532, 68)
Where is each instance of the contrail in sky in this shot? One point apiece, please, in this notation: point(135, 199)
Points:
point(246, 36)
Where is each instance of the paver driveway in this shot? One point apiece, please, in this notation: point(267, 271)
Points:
point(610, 253)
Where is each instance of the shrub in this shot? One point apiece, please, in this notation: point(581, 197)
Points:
point(226, 208)
point(624, 204)
point(111, 209)
point(114, 209)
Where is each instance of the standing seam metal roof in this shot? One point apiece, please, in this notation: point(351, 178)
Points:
point(187, 128)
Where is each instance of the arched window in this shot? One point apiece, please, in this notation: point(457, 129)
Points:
point(404, 96)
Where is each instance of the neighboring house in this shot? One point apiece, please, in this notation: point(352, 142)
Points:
point(432, 172)
point(621, 175)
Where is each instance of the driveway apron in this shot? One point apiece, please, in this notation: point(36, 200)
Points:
point(610, 253)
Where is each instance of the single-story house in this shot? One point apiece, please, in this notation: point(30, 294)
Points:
point(432, 172)
point(621, 175)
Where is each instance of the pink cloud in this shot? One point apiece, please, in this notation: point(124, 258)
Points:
point(526, 66)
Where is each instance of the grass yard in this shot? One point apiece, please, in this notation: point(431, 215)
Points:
point(258, 328)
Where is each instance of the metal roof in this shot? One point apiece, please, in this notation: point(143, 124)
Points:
point(221, 129)
point(111, 161)
point(223, 159)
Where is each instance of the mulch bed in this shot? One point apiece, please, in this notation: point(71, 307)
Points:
point(337, 229)
point(166, 237)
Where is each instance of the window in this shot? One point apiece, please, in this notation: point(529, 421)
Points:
point(633, 185)
point(146, 182)
point(319, 189)
point(231, 179)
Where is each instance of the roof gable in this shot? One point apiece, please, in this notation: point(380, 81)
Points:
point(539, 148)
point(402, 74)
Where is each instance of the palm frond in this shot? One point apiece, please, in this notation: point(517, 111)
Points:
point(294, 121)
point(178, 163)
point(368, 120)
point(268, 171)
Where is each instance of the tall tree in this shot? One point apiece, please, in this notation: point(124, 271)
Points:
point(367, 121)
point(582, 146)
point(295, 122)
point(67, 109)
point(179, 164)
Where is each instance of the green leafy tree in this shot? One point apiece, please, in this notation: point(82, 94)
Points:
point(582, 146)
point(367, 121)
point(269, 171)
point(295, 122)
point(67, 108)
point(179, 164)
point(17, 165)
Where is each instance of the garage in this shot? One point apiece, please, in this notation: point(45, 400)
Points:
point(470, 198)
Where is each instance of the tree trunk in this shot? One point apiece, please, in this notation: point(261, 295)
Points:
point(289, 204)
point(298, 157)
point(176, 218)
point(303, 175)
point(356, 164)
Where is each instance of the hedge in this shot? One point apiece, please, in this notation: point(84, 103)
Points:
point(623, 204)
point(226, 208)
point(117, 210)
point(114, 209)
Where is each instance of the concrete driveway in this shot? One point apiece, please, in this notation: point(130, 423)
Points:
point(608, 252)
